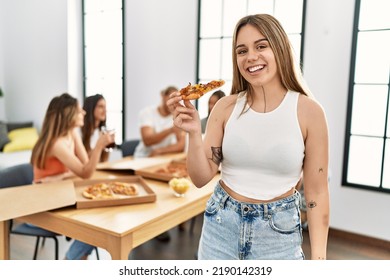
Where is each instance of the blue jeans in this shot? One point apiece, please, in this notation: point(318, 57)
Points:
point(78, 250)
point(236, 230)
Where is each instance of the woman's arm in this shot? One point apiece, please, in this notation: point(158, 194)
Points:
point(315, 176)
point(203, 157)
point(151, 137)
point(80, 149)
point(56, 178)
point(77, 160)
point(178, 147)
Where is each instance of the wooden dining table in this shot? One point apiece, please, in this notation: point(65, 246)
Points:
point(119, 229)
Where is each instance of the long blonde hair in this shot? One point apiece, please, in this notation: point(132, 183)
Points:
point(288, 68)
point(58, 121)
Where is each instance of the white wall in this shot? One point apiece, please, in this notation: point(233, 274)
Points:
point(2, 99)
point(1, 47)
point(161, 50)
point(329, 26)
point(34, 40)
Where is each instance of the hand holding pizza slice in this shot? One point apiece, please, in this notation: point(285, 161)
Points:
point(192, 92)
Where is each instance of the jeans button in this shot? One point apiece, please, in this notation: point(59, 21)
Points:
point(246, 209)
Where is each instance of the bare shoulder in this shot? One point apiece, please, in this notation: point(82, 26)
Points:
point(60, 142)
point(311, 116)
point(228, 100)
point(309, 109)
point(58, 146)
point(226, 103)
point(224, 107)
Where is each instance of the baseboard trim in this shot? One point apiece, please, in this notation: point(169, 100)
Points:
point(336, 233)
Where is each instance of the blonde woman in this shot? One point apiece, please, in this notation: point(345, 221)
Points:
point(60, 153)
point(267, 135)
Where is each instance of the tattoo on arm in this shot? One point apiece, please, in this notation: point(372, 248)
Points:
point(311, 204)
point(320, 170)
point(216, 155)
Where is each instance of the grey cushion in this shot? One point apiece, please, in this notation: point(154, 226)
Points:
point(128, 147)
point(17, 175)
point(16, 125)
point(3, 135)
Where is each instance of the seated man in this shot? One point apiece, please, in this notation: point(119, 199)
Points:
point(158, 134)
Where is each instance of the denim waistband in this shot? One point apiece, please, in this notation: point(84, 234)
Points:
point(257, 209)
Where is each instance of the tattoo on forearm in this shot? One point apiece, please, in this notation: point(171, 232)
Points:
point(320, 170)
point(311, 204)
point(216, 155)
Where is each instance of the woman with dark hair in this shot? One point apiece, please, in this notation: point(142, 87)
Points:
point(94, 122)
point(217, 95)
point(59, 152)
point(267, 136)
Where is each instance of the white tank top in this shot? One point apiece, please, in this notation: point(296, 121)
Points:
point(263, 152)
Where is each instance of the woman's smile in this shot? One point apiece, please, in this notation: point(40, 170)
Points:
point(256, 68)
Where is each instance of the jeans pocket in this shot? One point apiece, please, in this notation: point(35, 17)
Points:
point(212, 207)
point(286, 221)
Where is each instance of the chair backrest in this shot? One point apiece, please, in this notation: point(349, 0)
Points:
point(128, 147)
point(18, 175)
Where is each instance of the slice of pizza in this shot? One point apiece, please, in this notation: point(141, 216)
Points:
point(124, 188)
point(98, 191)
point(177, 170)
point(196, 91)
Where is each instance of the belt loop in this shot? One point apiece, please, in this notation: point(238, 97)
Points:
point(223, 201)
point(299, 198)
point(265, 211)
point(225, 195)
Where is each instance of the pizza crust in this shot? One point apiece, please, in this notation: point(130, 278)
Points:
point(191, 96)
point(86, 194)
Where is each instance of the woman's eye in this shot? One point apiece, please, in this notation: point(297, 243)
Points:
point(260, 47)
point(241, 51)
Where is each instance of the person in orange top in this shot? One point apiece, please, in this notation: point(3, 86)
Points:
point(59, 152)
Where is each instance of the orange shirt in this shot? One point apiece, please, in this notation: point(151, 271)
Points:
point(52, 167)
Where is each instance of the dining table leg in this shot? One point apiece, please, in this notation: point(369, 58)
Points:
point(4, 240)
point(120, 247)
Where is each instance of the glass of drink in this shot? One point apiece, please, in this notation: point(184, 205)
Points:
point(108, 130)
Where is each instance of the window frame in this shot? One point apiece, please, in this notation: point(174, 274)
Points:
point(351, 92)
point(84, 86)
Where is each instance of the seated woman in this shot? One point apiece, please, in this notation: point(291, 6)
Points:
point(59, 152)
point(94, 121)
point(212, 101)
